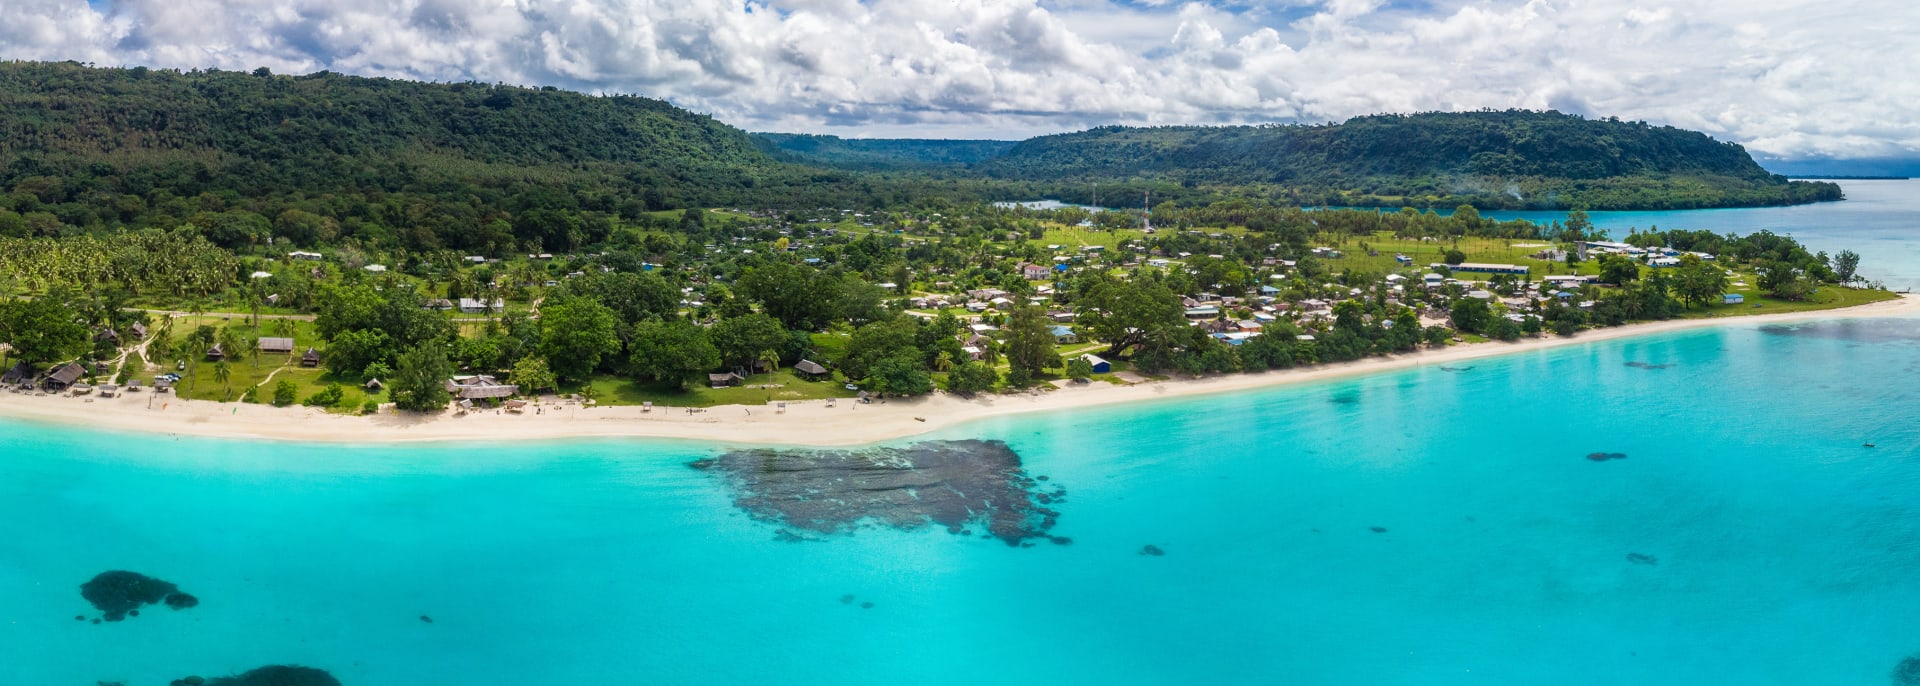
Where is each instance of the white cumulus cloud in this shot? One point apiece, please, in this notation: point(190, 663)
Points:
point(1788, 78)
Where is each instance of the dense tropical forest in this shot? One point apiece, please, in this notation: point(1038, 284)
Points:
point(877, 154)
point(1507, 160)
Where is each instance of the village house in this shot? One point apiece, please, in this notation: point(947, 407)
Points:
point(480, 387)
point(63, 377)
point(276, 345)
point(809, 369)
point(476, 306)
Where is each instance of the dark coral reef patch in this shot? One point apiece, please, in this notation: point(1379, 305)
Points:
point(953, 484)
point(274, 675)
point(1907, 673)
point(1603, 457)
point(120, 594)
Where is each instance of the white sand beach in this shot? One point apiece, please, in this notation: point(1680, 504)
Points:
point(812, 423)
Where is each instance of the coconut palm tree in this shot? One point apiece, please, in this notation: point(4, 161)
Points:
point(251, 346)
point(944, 362)
point(771, 360)
point(224, 374)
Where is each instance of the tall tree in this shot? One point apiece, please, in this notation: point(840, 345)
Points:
point(741, 339)
point(419, 380)
point(41, 330)
point(674, 352)
point(575, 334)
point(1030, 341)
point(1698, 281)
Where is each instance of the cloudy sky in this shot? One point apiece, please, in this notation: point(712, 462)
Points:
point(1794, 79)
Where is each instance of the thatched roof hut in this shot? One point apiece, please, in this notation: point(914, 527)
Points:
point(64, 376)
point(276, 345)
point(809, 368)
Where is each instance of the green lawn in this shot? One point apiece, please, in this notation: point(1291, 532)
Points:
point(611, 390)
point(309, 381)
point(1497, 251)
point(1825, 298)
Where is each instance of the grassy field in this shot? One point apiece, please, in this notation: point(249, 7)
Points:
point(1825, 298)
point(1424, 253)
point(757, 390)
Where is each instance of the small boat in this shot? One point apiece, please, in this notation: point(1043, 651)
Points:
point(919, 419)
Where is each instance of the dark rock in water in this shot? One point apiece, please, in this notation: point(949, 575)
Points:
point(951, 484)
point(1151, 550)
point(1456, 369)
point(846, 599)
point(1603, 457)
point(1643, 365)
point(96, 620)
point(181, 601)
point(1042, 477)
point(118, 593)
point(1640, 559)
point(133, 613)
point(1060, 540)
point(1907, 673)
point(866, 606)
point(79, 618)
point(426, 619)
point(786, 536)
point(276, 675)
point(1377, 529)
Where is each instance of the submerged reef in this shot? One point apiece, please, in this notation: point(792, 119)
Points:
point(1907, 673)
point(1644, 365)
point(1151, 550)
point(1852, 330)
point(274, 675)
point(119, 594)
point(1603, 457)
point(954, 484)
point(1642, 559)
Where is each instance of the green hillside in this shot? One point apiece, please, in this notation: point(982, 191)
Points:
point(881, 153)
point(85, 148)
point(1492, 159)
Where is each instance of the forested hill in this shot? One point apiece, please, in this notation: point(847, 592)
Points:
point(881, 153)
point(129, 131)
point(1494, 159)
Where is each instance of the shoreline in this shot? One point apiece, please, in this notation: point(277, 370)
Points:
point(803, 424)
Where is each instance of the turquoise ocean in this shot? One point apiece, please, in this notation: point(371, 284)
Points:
point(1424, 526)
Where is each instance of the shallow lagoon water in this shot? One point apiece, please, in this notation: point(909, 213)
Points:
point(1418, 527)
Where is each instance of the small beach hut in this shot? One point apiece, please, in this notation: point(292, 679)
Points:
point(311, 358)
point(275, 345)
point(215, 353)
point(1100, 366)
point(374, 385)
point(810, 369)
point(63, 377)
point(724, 380)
